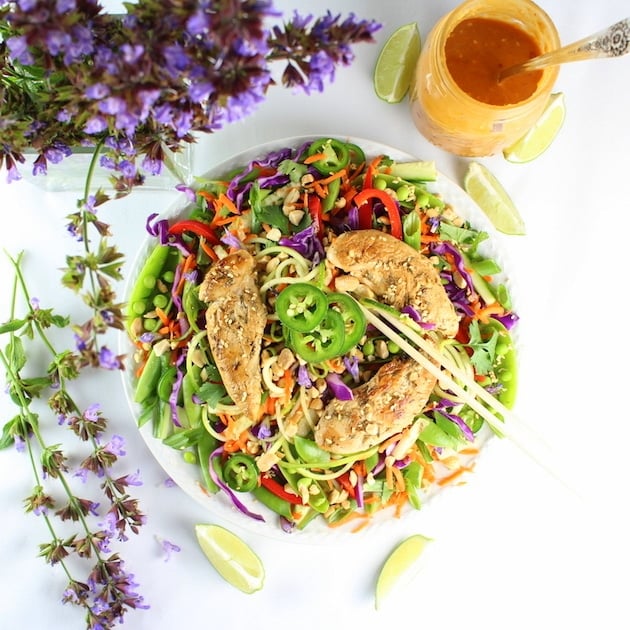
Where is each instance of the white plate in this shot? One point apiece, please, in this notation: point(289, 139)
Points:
point(187, 476)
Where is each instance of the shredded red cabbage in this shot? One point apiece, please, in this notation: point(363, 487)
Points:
point(352, 366)
point(303, 378)
point(444, 247)
point(159, 230)
point(358, 491)
point(172, 399)
point(306, 243)
point(413, 313)
point(338, 388)
point(442, 407)
point(509, 320)
point(231, 240)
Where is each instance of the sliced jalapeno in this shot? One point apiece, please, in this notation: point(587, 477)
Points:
point(337, 155)
point(240, 472)
point(324, 342)
point(353, 318)
point(301, 306)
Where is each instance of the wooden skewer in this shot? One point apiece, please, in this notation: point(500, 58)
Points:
point(518, 432)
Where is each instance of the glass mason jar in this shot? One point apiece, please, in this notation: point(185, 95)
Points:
point(455, 121)
point(69, 175)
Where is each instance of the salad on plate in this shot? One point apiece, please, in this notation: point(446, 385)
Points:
point(258, 352)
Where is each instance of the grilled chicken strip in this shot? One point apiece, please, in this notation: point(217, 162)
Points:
point(398, 274)
point(382, 407)
point(235, 321)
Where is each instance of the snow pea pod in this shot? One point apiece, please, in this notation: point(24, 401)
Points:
point(139, 299)
point(205, 446)
point(147, 383)
point(273, 502)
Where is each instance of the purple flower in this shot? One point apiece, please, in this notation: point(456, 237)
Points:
point(133, 479)
point(57, 41)
point(27, 5)
point(56, 152)
point(176, 59)
point(92, 412)
point(95, 124)
point(97, 91)
point(13, 175)
point(116, 446)
point(18, 49)
point(108, 360)
point(198, 23)
point(82, 473)
point(112, 105)
point(168, 548)
point(65, 6)
point(127, 168)
point(131, 54)
point(321, 69)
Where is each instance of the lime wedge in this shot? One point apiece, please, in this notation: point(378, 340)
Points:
point(398, 564)
point(491, 197)
point(538, 139)
point(396, 63)
point(235, 561)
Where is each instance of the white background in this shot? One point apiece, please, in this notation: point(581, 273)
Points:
point(512, 548)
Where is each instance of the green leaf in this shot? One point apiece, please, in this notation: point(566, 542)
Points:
point(34, 386)
point(12, 326)
point(212, 393)
point(294, 170)
point(15, 354)
point(434, 435)
point(483, 351)
point(265, 212)
point(8, 433)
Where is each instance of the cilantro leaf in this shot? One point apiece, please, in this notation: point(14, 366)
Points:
point(483, 351)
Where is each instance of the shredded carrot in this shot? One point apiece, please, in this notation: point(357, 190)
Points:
point(287, 382)
point(469, 451)
point(361, 526)
point(162, 315)
point(360, 468)
point(190, 262)
point(316, 157)
point(454, 475)
point(223, 201)
point(398, 500)
point(331, 178)
point(398, 479)
point(208, 196)
point(351, 516)
point(388, 442)
point(238, 445)
point(208, 250)
point(484, 314)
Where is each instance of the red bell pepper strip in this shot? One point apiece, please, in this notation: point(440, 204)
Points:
point(315, 210)
point(275, 488)
point(196, 227)
point(393, 212)
point(344, 480)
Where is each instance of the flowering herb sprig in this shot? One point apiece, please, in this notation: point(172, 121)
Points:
point(108, 591)
point(148, 81)
point(90, 273)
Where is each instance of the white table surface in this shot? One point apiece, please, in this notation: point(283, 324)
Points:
point(512, 548)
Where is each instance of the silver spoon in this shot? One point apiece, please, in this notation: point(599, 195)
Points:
point(611, 42)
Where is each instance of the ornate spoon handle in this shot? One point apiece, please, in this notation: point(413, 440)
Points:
point(611, 42)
